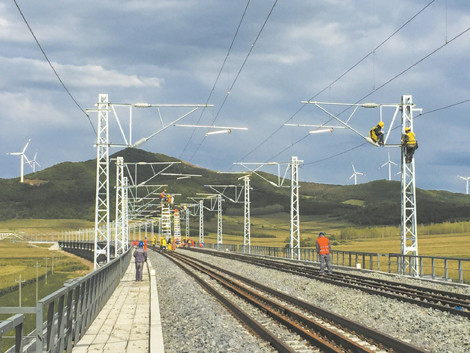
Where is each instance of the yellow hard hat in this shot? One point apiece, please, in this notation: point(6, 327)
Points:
point(407, 128)
point(381, 124)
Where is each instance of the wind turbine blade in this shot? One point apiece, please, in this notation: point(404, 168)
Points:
point(26, 146)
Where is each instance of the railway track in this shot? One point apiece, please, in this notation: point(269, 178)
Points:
point(287, 323)
point(457, 304)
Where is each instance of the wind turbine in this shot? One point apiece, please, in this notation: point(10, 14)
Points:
point(389, 162)
point(23, 157)
point(466, 179)
point(33, 163)
point(355, 174)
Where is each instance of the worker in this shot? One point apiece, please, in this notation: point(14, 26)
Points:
point(376, 133)
point(409, 143)
point(154, 242)
point(145, 243)
point(163, 195)
point(162, 244)
point(140, 256)
point(323, 251)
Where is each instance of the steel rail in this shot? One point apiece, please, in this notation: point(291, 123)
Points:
point(368, 334)
point(459, 305)
point(238, 312)
point(277, 313)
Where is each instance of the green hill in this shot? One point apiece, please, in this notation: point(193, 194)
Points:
point(67, 190)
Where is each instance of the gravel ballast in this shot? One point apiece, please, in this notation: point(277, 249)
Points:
point(193, 321)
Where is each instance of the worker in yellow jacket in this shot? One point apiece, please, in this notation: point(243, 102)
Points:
point(376, 133)
point(409, 143)
point(162, 244)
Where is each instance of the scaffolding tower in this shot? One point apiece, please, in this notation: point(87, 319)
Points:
point(165, 220)
point(176, 225)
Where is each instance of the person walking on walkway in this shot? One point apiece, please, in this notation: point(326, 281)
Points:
point(140, 257)
point(323, 250)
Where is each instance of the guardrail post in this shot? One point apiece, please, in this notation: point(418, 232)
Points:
point(445, 269)
point(39, 327)
point(460, 272)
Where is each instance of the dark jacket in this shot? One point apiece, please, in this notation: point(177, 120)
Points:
point(140, 255)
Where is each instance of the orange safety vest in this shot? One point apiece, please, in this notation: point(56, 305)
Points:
point(324, 244)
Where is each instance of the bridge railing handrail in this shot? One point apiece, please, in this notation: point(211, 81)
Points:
point(69, 310)
point(14, 322)
point(455, 269)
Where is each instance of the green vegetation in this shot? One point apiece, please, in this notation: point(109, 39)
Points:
point(18, 258)
point(69, 189)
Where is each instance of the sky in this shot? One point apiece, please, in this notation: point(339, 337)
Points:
point(255, 62)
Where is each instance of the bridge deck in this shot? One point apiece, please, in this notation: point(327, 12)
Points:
point(130, 320)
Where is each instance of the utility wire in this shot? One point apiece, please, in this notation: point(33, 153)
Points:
point(218, 76)
point(52, 67)
point(389, 81)
point(337, 79)
point(238, 74)
point(365, 143)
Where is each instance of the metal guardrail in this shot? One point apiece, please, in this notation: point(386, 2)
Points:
point(68, 312)
point(450, 269)
point(13, 323)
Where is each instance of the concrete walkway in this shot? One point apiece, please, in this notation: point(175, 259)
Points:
point(130, 320)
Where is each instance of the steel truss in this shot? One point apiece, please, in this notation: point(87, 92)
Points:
point(294, 209)
point(215, 205)
point(102, 233)
point(221, 194)
point(293, 166)
point(409, 235)
point(201, 222)
point(119, 246)
point(102, 226)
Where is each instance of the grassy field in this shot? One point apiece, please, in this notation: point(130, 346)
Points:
point(31, 261)
point(43, 227)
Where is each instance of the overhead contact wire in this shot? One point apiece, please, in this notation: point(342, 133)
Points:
point(218, 76)
point(337, 79)
point(52, 67)
point(238, 74)
point(398, 75)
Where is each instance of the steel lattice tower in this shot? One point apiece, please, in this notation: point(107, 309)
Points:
point(102, 233)
point(201, 221)
point(294, 209)
point(118, 241)
point(125, 214)
point(246, 216)
point(219, 219)
point(409, 235)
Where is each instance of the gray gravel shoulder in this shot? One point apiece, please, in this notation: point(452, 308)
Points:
point(192, 320)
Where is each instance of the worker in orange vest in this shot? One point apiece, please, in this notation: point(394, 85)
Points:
point(323, 251)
